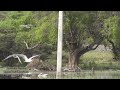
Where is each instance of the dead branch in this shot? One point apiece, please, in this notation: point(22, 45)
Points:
point(30, 47)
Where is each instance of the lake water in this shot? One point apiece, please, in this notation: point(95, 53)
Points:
point(84, 74)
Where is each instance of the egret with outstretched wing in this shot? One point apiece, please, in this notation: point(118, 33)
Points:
point(14, 56)
point(23, 56)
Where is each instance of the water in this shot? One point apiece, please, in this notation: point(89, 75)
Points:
point(106, 74)
point(84, 74)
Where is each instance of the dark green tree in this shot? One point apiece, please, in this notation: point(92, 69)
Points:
point(82, 34)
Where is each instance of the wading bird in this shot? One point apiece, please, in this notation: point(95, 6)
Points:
point(41, 75)
point(23, 56)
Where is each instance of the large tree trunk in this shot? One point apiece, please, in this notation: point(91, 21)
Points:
point(75, 55)
point(73, 61)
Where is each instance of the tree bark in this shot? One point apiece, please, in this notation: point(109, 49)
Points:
point(115, 50)
point(75, 55)
point(73, 60)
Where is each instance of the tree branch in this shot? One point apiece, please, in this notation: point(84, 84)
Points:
point(26, 44)
point(30, 47)
point(97, 43)
point(88, 48)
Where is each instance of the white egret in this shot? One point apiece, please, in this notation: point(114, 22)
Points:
point(23, 56)
point(41, 75)
point(36, 70)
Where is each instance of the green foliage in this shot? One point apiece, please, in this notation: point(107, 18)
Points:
point(46, 31)
point(43, 30)
point(112, 28)
point(99, 60)
point(81, 28)
point(13, 30)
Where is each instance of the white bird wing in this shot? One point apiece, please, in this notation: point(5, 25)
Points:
point(33, 56)
point(8, 57)
point(13, 57)
point(19, 59)
point(23, 56)
point(45, 74)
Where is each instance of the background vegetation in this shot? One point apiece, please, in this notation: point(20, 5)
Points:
point(84, 31)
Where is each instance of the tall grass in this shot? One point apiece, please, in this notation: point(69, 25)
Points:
point(99, 60)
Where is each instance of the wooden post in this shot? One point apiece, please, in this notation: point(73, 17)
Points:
point(59, 45)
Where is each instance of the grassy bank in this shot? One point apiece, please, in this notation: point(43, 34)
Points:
point(98, 60)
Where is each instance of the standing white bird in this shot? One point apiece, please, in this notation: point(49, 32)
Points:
point(23, 56)
point(41, 75)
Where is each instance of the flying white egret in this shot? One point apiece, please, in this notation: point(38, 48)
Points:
point(23, 56)
point(41, 75)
